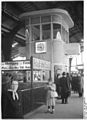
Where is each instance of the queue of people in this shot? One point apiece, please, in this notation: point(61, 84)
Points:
point(77, 83)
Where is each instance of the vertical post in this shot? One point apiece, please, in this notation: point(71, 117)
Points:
point(52, 66)
point(31, 94)
point(31, 72)
point(70, 60)
point(50, 74)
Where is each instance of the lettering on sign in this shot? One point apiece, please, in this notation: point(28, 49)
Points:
point(41, 64)
point(16, 65)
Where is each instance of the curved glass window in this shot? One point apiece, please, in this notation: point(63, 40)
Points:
point(46, 31)
point(35, 20)
point(35, 31)
point(56, 29)
point(63, 34)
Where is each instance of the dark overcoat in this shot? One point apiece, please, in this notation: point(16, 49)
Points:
point(64, 83)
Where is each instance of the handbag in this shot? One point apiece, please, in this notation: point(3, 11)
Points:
point(54, 94)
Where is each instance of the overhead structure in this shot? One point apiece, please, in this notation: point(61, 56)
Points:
point(10, 20)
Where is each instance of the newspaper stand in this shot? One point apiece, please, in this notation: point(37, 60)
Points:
point(31, 93)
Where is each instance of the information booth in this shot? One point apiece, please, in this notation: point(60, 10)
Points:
point(47, 32)
point(32, 76)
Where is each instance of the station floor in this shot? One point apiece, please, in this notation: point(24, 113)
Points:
point(72, 110)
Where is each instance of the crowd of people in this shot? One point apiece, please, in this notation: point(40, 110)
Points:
point(62, 88)
point(75, 82)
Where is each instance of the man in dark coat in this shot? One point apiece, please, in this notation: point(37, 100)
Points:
point(79, 85)
point(69, 79)
point(64, 88)
point(58, 85)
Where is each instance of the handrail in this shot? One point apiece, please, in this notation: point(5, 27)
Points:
point(31, 88)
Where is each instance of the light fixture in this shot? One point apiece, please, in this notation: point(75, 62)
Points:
point(14, 44)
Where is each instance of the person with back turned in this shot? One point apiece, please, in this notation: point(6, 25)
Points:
point(64, 88)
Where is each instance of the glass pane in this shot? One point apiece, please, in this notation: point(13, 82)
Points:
point(35, 20)
point(65, 35)
point(45, 75)
point(56, 28)
point(37, 76)
point(45, 19)
point(46, 31)
point(35, 32)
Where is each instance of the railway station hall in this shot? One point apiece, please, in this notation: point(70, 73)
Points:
point(42, 67)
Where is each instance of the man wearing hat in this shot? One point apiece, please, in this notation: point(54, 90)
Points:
point(64, 88)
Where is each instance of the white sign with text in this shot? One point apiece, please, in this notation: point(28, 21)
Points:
point(15, 65)
point(40, 47)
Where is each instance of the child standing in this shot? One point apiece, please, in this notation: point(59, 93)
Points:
point(51, 90)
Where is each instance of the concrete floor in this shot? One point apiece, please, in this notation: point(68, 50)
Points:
point(72, 110)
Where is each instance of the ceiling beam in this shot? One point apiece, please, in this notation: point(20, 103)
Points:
point(18, 38)
point(8, 14)
point(5, 29)
point(74, 33)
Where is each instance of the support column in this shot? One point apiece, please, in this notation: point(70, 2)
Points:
point(70, 60)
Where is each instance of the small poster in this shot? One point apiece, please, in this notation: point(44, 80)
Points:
point(40, 47)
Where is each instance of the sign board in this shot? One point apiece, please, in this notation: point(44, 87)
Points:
point(15, 65)
point(72, 49)
point(41, 64)
point(40, 47)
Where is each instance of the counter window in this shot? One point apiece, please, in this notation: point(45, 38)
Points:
point(46, 31)
point(37, 75)
point(40, 76)
point(45, 75)
point(35, 32)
